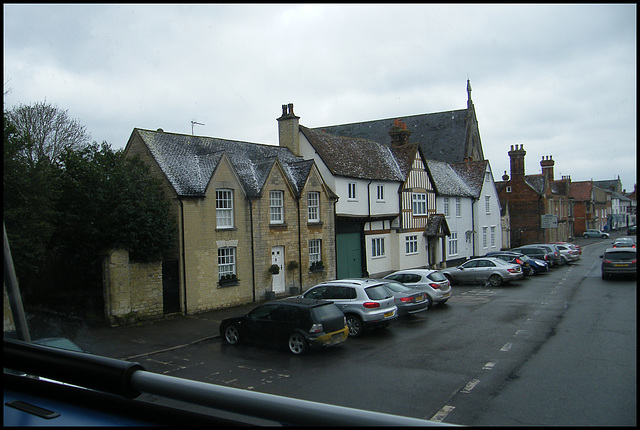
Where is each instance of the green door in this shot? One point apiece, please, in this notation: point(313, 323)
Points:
point(349, 255)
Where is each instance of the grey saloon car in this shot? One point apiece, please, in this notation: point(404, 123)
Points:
point(484, 270)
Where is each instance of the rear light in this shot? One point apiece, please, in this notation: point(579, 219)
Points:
point(435, 286)
point(317, 328)
point(518, 261)
point(406, 299)
point(513, 270)
point(370, 305)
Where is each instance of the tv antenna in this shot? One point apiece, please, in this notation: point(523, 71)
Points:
point(194, 123)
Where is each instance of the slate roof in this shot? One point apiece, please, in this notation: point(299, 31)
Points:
point(472, 173)
point(441, 135)
point(189, 161)
point(447, 181)
point(354, 157)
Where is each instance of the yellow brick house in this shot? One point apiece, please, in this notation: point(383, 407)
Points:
point(241, 208)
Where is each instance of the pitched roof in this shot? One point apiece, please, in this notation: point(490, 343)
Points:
point(581, 190)
point(472, 173)
point(189, 161)
point(447, 181)
point(441, 135)
point(354, 157)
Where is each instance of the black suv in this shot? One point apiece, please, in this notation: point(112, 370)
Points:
point(296, 322)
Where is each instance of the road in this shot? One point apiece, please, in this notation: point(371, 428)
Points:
point(555, 349)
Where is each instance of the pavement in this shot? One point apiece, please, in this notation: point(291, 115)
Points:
point(151, 337)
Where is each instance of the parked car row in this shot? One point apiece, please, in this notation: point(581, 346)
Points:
point(328, 313)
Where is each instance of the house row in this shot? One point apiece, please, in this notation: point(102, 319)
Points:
point(540, 208)
point(348, 200)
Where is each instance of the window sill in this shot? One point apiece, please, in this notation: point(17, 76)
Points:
point(228, 283)
point(278, 226)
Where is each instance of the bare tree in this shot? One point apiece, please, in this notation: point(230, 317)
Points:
point(48, 131)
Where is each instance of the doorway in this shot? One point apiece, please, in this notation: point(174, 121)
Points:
point(277, 257)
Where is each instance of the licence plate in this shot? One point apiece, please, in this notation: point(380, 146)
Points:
point(447, 295)
point(388, 314)
point(620, 265)
point(420, 299)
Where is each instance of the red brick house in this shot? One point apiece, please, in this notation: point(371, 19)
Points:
point(530, 197)
point(584, 206)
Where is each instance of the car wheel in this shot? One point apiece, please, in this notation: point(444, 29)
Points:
point(495, 280)
point(531, 271)
point(231, 334)
point(297, 344)
point(355, 325)
point(586, 236)
point(449, 278)
point(428, 300)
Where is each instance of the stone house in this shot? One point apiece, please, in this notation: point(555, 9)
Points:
point(241, 208)
point(533, 198)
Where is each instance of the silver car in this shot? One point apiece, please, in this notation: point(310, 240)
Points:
point(408, 300)
point(568, 253)
point(364, 302)
point(484, 270)
point(433, 282)
point(595, 233)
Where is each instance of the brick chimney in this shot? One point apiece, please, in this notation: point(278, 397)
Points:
point(547, 167)
point(288, 129)
point(399, 133)
point(517, 161)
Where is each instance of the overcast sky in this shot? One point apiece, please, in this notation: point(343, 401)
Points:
point(559, 79)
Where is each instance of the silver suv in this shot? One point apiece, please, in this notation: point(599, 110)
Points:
point(364, 302)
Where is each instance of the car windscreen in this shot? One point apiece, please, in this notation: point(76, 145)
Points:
point(377, 292)
point(620, 256)
point(326, 312)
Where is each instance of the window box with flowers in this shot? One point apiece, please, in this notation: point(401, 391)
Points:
point(316, 266)
point(228, 280)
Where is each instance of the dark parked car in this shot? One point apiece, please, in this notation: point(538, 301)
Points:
point(535, 252)
point(296, 322)
point(618, 261)
point(631, 229)
point(515, 258)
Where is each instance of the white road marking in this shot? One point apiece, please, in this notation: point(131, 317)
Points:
point(506, 347)
point(489, 365)
point(470, 386)
point(442, 413)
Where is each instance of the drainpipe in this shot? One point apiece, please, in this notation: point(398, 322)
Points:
point(253, 260)
point(299, 245)
point(184, 262)
point(473, 225)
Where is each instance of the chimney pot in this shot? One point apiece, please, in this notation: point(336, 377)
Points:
point(291, 109)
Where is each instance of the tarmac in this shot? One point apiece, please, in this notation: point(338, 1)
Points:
point(172, 332)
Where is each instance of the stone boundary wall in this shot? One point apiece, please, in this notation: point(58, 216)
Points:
point(132, 291)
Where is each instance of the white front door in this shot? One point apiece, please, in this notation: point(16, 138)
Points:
point(277, 257)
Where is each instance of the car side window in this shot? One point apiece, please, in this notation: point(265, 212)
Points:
point(398, 277)
point(265, 312)
point(412, 278)
point(470, 264)
point(288, 314)
point(316, 293)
